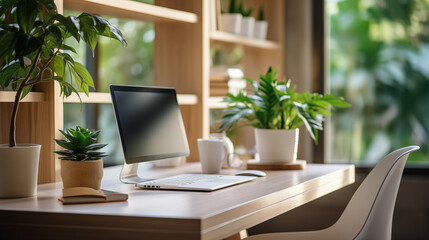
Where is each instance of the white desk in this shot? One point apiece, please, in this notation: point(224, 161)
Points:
point(163, 214)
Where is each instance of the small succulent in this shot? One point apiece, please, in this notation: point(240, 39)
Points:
point(261, 15)
point(243, 11)
point(232, 7)
point(80, 144)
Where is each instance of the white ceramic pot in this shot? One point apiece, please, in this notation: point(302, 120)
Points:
point(277, 146)
point(19, 168)
point(261, 28)
point(247, 26)
point(231, 22)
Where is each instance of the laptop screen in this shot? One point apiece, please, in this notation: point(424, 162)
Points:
point(149, 122)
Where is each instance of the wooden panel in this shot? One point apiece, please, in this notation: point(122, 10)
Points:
point(9, 96)
point(162, 214)
point(181, 60)
point(130, 10)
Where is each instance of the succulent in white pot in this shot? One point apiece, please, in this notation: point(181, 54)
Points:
point(231, 21)
point(32, 40)
point(261, 25)
point(276, 111)
point(248, 22)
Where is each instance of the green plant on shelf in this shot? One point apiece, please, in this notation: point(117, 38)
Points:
point(275, 105)
point(80, 144)
point(244, 12)
point(261, 14)
point(33, 49)
point(233, 7)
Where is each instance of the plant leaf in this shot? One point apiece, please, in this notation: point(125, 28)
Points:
point(25, 91)
point(5, 5)
point(49, 4)
point(27, 13)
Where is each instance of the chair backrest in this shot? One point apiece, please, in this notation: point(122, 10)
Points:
point(369, 213)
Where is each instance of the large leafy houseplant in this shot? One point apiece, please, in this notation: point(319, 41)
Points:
point(275, 105)
point(33, 48)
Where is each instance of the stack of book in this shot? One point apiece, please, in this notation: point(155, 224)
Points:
point(219, 82)
point(224, 81)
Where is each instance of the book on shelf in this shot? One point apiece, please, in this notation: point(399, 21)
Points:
point(215, 15)
point(89, 195)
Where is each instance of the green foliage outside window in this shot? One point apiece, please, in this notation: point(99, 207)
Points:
point(379, 60)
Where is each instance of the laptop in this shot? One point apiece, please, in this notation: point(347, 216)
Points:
point(151, 128)
point(196, 182)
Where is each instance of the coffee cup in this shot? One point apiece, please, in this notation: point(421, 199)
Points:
point(212, 153)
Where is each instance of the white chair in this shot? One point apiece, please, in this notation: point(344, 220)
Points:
point(369, 213)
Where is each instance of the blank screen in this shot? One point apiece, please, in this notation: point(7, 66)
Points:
point(149, 122)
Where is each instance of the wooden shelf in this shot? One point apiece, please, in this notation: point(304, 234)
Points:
point(216, 103)
point(131, 10)
point(9, 96)
point(97, 97)
point(224, 37)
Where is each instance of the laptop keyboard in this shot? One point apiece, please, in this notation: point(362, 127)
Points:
point(181, 180)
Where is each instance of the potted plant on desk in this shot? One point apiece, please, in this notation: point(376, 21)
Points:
point(276, 111)
point(81, 162)
point(32, 37)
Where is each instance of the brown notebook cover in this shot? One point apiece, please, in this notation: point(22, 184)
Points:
point(89, 195)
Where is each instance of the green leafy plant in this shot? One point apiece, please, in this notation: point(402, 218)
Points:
point(80, 144)
point(274, 105)
point(233, 7)
point(243, 11)
point(32, 40)
point(261, 14)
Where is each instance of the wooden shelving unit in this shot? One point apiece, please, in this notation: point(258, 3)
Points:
point(218, 37)
point(216, 103)
point(131, 10)
point(9, 97)
point(182, 49)
point(100, 97)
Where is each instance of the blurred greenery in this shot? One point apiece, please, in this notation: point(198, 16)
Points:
point(379, 60)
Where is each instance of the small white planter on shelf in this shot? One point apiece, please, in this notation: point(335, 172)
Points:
point(247, 26)
point(19, 168)
point(231, 22)
point(277, 146)
point(261, 28)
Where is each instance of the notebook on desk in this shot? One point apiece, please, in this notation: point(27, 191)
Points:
point(195, 182)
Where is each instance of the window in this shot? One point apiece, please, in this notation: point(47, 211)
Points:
point(379, 60)
point(112, 64)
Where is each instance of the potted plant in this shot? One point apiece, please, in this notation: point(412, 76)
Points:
point(276, 111)
point(81, 162)
point(247, 22)
point(32, 40)
point(261, 25)
point(231, 21)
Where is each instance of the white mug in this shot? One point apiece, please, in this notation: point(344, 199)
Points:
point(212, 153)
